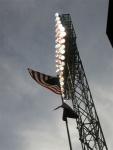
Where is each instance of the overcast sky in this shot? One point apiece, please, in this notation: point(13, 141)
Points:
point(27, 121)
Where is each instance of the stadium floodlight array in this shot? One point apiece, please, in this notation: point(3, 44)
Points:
point(60, 34)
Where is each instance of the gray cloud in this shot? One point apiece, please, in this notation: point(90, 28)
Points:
point(27, 40)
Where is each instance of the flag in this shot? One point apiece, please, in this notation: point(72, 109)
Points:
point(68, 112)
point(49, 82)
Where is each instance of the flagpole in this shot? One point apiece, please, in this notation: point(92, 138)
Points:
point(66, 121)
point(69, 139)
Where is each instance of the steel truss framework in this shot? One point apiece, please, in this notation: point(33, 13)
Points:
point(77, 90)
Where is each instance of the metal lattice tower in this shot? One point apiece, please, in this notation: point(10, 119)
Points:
point(77, 90)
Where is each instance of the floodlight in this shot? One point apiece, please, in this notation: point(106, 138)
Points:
point(57, 70)
point(57, 56)
point(62, 47)
point(62, 57)
point(57, 19)
point(57, 46)
point(63, 63)
point(61, 68)
point(61, 78)
point(62, 29)
point(62, 83)
point(56, 14)
point(62, 34)
point(57, 24)
point(57, 66)
point(62, 51)
point(62, 41)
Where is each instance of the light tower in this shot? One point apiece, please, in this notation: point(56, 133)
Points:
point(74, 85)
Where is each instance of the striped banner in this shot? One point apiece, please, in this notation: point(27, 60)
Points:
point(49, 82)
